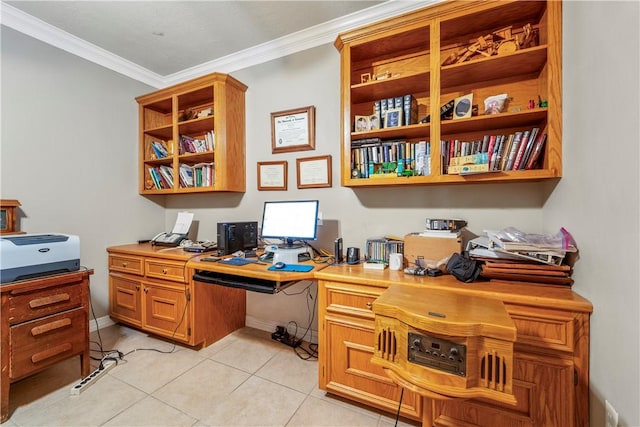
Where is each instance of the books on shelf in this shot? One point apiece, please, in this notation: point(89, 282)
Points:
point(375, 158)
point(203, 174)
point(408, 105)
point(188, 144)
point(517, 151)
point(162, 177)
point(159, 149)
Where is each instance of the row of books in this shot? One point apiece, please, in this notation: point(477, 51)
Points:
point(518, 151)
point(159, 149)
point(379, 248)
point(162, 177)
point(198, 175)
point(188, 144)
point(391, 158)
point(407, 104)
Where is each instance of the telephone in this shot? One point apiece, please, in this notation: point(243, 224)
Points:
point(168, 239)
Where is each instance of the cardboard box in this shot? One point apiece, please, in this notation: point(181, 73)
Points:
point(434, 251)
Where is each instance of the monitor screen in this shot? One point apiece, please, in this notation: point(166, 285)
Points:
point(290, 220)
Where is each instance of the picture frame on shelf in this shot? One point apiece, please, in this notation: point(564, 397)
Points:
point(272, 175)
point(463, 106)
point(293, 130)
point(361, 123)
point(365, 77)
point(9, 216)
point(393, 118)
point(314, 172)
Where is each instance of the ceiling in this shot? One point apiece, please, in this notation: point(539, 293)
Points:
point(160, 42)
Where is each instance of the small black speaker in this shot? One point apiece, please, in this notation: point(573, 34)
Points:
point(353, 255)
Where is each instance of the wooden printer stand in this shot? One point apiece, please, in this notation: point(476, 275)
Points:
point(44, 321)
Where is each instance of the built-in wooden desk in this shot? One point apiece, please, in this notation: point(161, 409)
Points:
point(43, 321)
point(152, 288)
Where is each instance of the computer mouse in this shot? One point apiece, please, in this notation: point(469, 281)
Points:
point(279, 265)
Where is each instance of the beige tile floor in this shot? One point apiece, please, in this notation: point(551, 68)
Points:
point(245, 379)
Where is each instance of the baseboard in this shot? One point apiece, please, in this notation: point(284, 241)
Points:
point(100, 322)
point(252, 322)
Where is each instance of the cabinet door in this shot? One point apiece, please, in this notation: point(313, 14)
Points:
point(541, 385)
point(165, 311)
point(124, 293)
point(350, 373)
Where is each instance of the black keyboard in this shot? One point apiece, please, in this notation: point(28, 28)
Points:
point(241, 282)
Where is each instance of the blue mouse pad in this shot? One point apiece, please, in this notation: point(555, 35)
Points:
point(237, 261)
point(292, 267)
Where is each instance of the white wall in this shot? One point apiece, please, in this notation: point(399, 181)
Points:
point(597, 199)
point(69, 152)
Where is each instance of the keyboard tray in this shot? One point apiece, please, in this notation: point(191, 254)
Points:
point(241, 282)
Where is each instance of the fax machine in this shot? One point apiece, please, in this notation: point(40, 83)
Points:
point(31, 255)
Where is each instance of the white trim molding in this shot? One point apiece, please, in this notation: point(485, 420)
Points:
point(283, 46)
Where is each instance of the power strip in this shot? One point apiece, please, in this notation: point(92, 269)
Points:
point(92, 377)
point(284, 337)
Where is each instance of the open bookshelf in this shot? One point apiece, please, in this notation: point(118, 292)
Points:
point(192, 137)
point(436, 55)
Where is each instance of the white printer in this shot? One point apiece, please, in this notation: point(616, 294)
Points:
point(25, 256)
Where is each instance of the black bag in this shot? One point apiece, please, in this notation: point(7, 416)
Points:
point(462, 268)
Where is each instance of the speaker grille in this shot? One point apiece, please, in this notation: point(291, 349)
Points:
point(387, 345)
point(493, 371)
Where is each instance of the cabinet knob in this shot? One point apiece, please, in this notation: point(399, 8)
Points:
point(164, 271)
point(369, 305)
point(146, 290)
point(137, 287)
point(124, 264)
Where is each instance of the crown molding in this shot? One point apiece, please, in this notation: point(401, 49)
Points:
point(283, 46)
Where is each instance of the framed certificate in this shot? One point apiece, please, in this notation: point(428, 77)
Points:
point(293, 130)
point(314, 172)
point(272, 175)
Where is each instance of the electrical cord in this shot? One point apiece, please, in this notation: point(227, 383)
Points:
point(312, 351)
point(399, 406)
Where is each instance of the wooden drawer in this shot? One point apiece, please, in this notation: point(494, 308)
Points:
point(43, 302)
point(353, 300)
point(42, 342)
point(166, 270)
point(126, 264)
point(542, 327)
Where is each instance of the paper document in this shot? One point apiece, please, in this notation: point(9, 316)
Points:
point(183, 223)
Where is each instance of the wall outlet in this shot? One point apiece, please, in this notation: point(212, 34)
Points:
point(612, 415)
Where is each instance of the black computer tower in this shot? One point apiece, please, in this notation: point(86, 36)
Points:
point(237, 236)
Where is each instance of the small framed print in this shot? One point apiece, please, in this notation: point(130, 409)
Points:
point(272, 175)
point(293, 130)
point(9, 216)
point(462, 107)
point(374, 122)
point(314, 172)
point(393, 118)
point(365, 77)
point(361, 123)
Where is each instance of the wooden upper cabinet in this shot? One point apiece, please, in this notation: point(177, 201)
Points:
point(400, 74)
point(192, 137)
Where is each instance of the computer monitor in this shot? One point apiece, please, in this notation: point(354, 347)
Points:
point(289, 221)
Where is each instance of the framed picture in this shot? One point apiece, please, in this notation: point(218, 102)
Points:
point(462, 107)
point(272, 175)
point(361, 123)
point(365, 77)
point(9, 216)
point(314, 172)
point(293, 130)
point(393, 118)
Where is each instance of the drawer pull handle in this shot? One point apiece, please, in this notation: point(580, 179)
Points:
point(43, 329)
point(51, 352)
point(369, 305)
point(124, 263)
point(53, 299)
point(164, 271)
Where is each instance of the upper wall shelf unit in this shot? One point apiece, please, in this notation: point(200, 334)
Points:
point(398, 76)
point(192, 137)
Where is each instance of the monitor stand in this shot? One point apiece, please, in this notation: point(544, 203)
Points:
point(288, 255)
